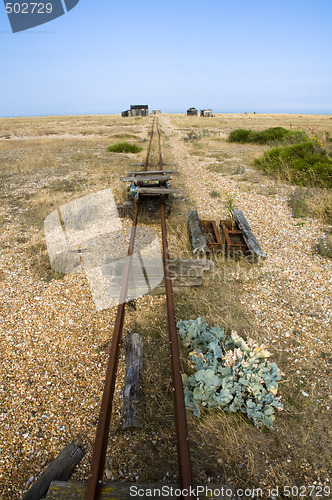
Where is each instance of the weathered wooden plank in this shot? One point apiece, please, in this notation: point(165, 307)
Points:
point(155, 190)
point(150, 164)
point(146, 178)
point(132, 396)
point(61, 468)
point(178, 199)
point(249, 237)
point(152, 172)
point(189, 268)
point(177, 284)
point(197, 239)
point(127, 491)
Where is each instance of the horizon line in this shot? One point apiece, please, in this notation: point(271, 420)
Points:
point(174, 113)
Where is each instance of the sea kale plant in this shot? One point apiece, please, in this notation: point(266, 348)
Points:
point(230, 373)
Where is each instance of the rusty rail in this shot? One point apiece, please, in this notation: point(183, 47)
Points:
point(94, 486)
point(149, 149)
point(183, 449)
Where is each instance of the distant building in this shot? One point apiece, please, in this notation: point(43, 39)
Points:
point(136, 110)
point(192, 112)
point(139, 110)
point(156, 111)
point(206, 112)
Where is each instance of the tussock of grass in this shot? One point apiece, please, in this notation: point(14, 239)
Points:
point(39, 263)
point(314, 202)
point(124, 147)
point(321, 204)
point(298, 201)
point(192, 137)
point(306, 163)
point(268, 136)
point(324, 246)
point(67, 185)
point(125, 136)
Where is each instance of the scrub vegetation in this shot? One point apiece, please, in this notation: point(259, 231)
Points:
point(124, 147)
point(55, 345)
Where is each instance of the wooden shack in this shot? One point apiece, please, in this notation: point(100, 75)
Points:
point(126, 113)
point(206, 112)
point(156, 111)
point(139, 110)
point(192, 112)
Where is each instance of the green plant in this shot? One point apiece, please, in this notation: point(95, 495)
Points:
point(214, 194)
point(324, 246)
point(299, 202)
point(271, 135)
point(230, 374)
point(192, 137)
point(306, 163)
point(230, 204)
point(124, 147)
point(240, 135)
point(207, 132)
point(239, 170)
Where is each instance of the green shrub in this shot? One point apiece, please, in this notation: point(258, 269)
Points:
point(306, 163)
point(124, 147)
point(230, 374)
point(272, 135)
point(240, 135)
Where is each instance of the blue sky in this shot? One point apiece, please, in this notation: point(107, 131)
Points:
point(228, 55)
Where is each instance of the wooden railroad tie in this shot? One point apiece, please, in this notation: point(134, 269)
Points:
point(153, 172)
point(146, 178)
point(154, 190)
point(60, 469)
point(123, 491)
point(132, 396)
point(249, 237)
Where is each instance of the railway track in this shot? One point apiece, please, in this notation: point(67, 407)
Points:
point(94, 486)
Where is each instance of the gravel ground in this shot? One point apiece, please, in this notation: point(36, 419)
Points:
point(54, 343)
point(291, 292)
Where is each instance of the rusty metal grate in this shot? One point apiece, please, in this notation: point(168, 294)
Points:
point(234, 241)
point(211, 234)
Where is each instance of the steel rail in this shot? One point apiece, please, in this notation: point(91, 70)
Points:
point(94, 486)
point(145, 166)
point(183, 448)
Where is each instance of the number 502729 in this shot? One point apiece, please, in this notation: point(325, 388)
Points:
point(28, 8)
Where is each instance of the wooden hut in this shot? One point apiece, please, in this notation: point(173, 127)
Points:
point(206, 112)
point(192, 112)
point(139, 110)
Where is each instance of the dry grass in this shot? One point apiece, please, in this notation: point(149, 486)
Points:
point(297, 452)
point(47, 162)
